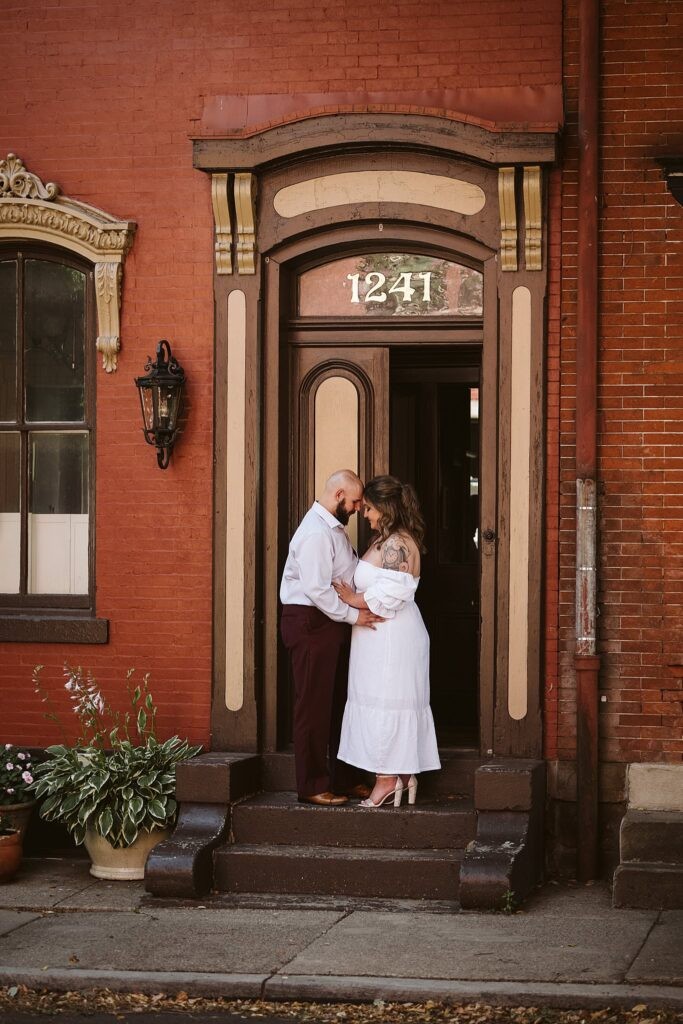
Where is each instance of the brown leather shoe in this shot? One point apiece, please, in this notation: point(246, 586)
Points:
point(359, 792)
point(324, 800)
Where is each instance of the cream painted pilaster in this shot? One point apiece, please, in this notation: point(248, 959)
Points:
point(234, 710)
point(521, 295)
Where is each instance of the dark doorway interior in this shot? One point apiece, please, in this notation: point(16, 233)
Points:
point(434, 444)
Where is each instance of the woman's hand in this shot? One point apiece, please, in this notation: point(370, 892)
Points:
point(348, 595)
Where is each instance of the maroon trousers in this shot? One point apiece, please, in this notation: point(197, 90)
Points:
point(319, 649)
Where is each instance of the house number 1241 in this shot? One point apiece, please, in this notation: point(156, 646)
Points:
point(402, 286)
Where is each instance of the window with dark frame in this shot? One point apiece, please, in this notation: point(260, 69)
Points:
point(46, 430)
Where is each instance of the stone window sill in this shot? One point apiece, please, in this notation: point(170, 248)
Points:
point(53, 629)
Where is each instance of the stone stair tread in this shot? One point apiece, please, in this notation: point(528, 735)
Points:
point(338, 871)
point(651, 837)
point(279, 819)
point(338, 852)
point(648, 885)
point(288, 799)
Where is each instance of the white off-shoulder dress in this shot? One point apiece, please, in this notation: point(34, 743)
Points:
point(388, 726)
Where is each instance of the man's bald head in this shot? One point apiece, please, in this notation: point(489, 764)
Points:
point(345, 478)
point(343, 494)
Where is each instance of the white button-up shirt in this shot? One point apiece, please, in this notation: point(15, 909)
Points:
point(320, 551)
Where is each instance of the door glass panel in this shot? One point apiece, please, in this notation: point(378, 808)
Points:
point(8, 340)
point(336, 435)
point(391, 284)
point(54, 340)
point(10, 513)
point(58, 513)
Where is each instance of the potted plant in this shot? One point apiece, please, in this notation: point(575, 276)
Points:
point(10, 849)
point(16, 776)
point(114, 789)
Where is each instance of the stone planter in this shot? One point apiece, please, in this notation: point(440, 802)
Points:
point(125, 863)
point(10, 856)
point(18, 815)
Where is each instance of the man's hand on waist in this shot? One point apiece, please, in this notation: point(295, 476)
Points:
point(368, 618)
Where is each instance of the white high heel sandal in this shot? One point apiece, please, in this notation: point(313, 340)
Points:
point(412, 789)
point(397, 794)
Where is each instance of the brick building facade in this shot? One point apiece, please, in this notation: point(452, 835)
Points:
point(107, 100)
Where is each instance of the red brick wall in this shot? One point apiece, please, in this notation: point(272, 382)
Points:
point(640, 387)
point(102, 98)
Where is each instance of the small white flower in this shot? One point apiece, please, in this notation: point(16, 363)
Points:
point(27, 777)
point(21, 757)
point(8, 746)
point(9, 789)
point(9, 766)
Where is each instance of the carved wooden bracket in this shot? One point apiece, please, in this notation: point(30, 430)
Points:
point(37, 212)
point(221, 217)
point(245, 214)
point(108, 294)
point(508, 218)
point(533, 223)
point(244, 200)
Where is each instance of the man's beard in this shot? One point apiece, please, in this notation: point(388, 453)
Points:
point(341, 514)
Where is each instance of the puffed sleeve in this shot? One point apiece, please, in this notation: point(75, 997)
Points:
point(389, 592)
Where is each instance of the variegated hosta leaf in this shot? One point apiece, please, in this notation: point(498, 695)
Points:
point(119, 793)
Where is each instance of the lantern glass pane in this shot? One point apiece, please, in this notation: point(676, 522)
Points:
point(147, 407)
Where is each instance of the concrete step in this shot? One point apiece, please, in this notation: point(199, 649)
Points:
point(652, 836)
point(279, 819)
point(455, 779)
point(326, 871)
point(648, 886)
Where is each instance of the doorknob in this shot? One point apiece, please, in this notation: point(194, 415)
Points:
point(489, 535)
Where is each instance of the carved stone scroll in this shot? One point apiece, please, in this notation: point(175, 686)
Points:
point(508, 218)
point(533, 224)
point(16, 181)
point(33, 211)
point(108, 293)
point(245, 213)
point(223, 227)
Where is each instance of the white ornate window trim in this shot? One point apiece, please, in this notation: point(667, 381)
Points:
point(36, 212)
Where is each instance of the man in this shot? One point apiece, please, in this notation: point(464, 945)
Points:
point(316, 631)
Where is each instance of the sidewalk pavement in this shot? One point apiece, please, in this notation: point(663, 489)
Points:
point(62, 929)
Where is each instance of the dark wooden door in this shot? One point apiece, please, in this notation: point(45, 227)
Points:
point(338, 419)
point(434, 444)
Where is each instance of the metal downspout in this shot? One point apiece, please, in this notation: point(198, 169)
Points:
point(586, 659)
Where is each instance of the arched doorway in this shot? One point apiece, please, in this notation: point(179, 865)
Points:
point(383, 348)
point(292, 204)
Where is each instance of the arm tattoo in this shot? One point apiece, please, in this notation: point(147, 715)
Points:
point(395, 555)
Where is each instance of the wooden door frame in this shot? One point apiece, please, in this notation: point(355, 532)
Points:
point(334, 243)
point(275, 192)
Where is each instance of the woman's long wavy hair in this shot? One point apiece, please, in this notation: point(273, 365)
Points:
point(398, 508)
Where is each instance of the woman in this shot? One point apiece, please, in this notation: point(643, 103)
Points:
point(388, 726)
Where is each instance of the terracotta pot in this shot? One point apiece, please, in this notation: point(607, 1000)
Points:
point(10, 856)
point(18, 815)
point(125, 863)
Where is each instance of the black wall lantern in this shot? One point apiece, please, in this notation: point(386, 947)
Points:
point(161, 397)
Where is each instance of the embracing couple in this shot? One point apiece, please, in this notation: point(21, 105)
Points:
point(358, 646)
